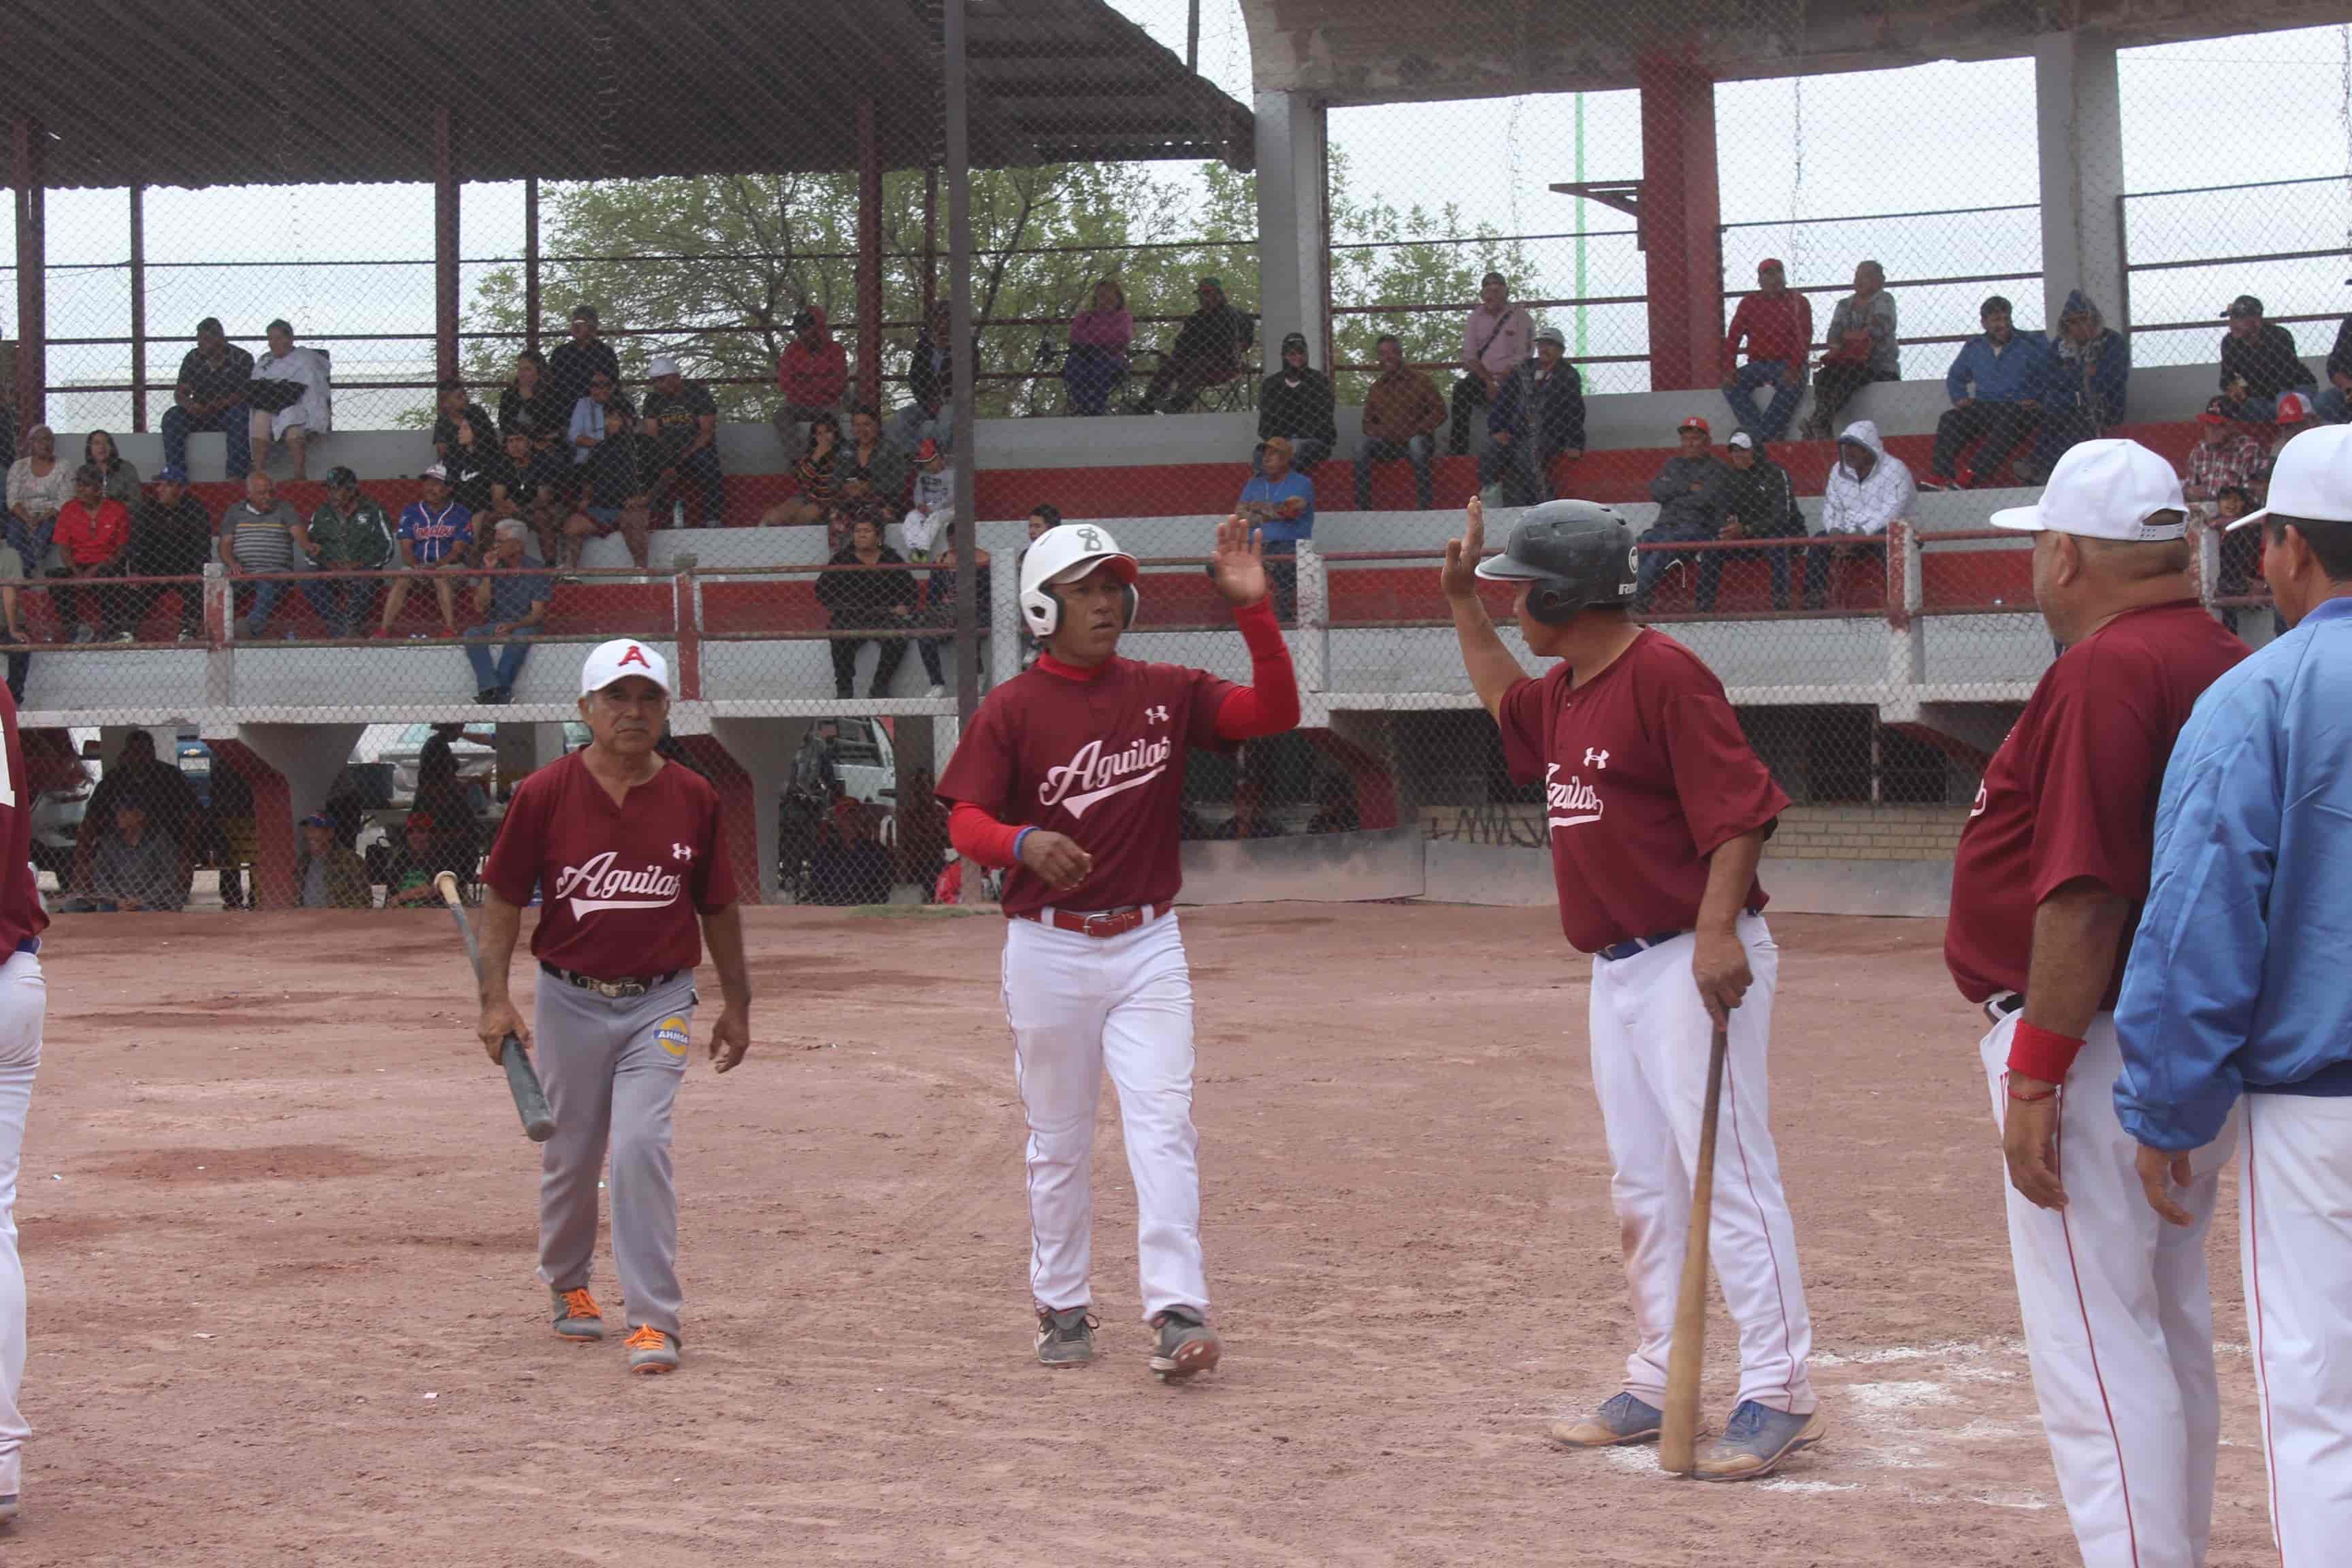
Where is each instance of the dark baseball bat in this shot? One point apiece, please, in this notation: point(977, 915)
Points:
point(1678, 1423)
point(522, 1078)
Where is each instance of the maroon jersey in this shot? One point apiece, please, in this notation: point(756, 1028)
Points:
point(1100, 760)
point(21, 915)
point(2072, 791)
point(619, 886)
point(1646, 774)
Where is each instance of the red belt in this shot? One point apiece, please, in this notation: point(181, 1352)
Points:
point(1101, 925)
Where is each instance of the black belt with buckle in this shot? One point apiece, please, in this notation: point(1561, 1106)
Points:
point(615, 989)
point(2002, 1004)
point(1631, 945)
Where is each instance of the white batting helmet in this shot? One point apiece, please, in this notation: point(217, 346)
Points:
point(1064, 554)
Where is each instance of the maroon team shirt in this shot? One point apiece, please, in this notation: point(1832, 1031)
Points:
point(21, 915)
point(1100, 761)
point(619, 886)
point(2072, 791)
point(1646, 774)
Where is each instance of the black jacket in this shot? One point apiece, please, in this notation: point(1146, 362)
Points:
point(1303, 410)
point(2267, 361)
point(572, 365)
point(1552, 407)
point(1211, 339)
point(2340, 358)
point(870, 598)
point(1763, 500)
point(174, 542)
point(929, 378)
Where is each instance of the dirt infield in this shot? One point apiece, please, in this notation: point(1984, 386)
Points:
point(277, 1221)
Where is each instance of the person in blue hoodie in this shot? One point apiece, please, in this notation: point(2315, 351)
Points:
point(1997, 386)
point(2090, 363)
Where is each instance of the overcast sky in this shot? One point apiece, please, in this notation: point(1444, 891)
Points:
point(2259, 107)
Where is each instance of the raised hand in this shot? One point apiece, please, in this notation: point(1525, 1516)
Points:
point(1237, 563)
point(1459, 576)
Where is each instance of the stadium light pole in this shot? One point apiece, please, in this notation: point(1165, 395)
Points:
point(962, 356)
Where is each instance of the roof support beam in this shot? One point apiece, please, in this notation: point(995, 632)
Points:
point(29, 145)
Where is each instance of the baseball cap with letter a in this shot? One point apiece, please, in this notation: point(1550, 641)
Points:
point(2105, 489)
point(621, 657)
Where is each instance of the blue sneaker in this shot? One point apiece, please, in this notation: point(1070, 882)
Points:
point(1622, 1420)
point(1755, 1440)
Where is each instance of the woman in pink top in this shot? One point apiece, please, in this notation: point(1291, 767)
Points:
point(1098, 341)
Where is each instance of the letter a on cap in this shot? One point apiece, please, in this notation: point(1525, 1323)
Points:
point(635, 656)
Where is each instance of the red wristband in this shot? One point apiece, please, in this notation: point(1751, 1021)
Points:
point(2042, 1053)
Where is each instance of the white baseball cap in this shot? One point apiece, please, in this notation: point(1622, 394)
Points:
point(662, 366)
point(621, 658)
point(2105, 489)
point(1742, 440)
point(2313, 479)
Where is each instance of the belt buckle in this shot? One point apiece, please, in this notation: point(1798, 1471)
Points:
point(1112, 922)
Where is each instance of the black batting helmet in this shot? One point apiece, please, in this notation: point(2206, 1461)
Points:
point(1578, 553)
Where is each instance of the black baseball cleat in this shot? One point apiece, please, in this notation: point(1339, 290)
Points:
point(1187, 1346)
point(1067, 1337)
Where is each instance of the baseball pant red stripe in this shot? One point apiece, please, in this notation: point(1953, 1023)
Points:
point(24, 1001)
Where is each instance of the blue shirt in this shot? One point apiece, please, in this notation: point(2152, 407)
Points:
point(514, 589)
point(1283, 533)
point(2253, 835)
point(435, 536)
point(2017, 372)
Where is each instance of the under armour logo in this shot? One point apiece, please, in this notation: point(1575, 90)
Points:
point(1091, 538)
point(1593, 759)
point(681, 851)
point(1157, 715)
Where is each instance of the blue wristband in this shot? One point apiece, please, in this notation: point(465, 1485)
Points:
point(1016, 843)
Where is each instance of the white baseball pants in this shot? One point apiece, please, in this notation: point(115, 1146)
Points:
point(24, 1001)
point(2295, 1246)
point(2118, 1324)
point(1079, 1005)
point(1651, 1040)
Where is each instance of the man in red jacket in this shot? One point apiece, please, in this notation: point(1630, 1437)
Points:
point(93, 534)
point(813, 373)
point(1778, 328)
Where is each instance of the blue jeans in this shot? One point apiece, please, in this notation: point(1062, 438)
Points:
point(1773, 423)
point(2331, 405)
point(1653, 561)
point(1091, 373)
point(501, 672)
point(235, 424)
point(266, 595)
point(699, 471)
point(1415, 451)
point(344, 602)
point(1518, 466)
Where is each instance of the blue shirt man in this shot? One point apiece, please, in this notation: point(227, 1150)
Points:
point(510, 601)
point(2235, 988)
point(1279, 502)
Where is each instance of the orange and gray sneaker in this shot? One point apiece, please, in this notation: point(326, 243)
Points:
point(651, 1352)
point(1187, 1345)
point(577, 1316)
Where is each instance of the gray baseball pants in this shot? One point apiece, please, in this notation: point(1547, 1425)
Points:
point(611, 1067)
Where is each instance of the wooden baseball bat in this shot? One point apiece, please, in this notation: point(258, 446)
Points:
point(1678, 1425)
point(522, 1078)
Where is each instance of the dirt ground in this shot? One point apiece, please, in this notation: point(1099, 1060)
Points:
point(277, 1221)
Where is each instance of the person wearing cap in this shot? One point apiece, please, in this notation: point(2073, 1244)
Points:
point(1497, 336)
point(1759, 501)
point(1297, 402)
point(170, 536)
point(93, 535)
point(930, 382)
point(625, 851)
point(812, 378)
point(579, 358)
point(210, 394)
point(348, 532)
point(1996, 382)
point(931, 515)
point(435, 536)
point(1689, 492)
point(1278, 502)
point(1402, 409)
point(1100, 336)
point(1860, 347)
point(328, 873)
point(530, 482)
point(134, 866)
point(510, 601)
point(681, 419)
point(1776, 324)
point(2050, 876)
point(2235, 1011)
point(2090, 374)
point(1211, 348)
point(291, 399)
point(2334, 398)
point(1536, 417)
point(618, 485)
point(465, 445)
point(1867, 493)
point(2259, 361)
point(262, 533)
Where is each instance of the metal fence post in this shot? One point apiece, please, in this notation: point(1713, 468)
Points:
point(220, 636)
point(1906, 661)
point(2209, 558)
point(1004, 623)
point(686, 617)
point(1314, 620)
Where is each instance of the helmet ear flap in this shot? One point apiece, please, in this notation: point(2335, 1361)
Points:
point(1553, 605)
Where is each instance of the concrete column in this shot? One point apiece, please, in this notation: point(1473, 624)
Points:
point(290, 768)
point(1294, 246)
point(2080, 115)
point(1682, 212)
point(756, 764)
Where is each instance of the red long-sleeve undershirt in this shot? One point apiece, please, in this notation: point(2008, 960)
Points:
point(1267, 706)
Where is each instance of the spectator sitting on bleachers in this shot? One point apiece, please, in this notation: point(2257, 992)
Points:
point(170, 536)
point(409, 870)
point(328, 872)
point(263, 534)
point(530, 403)
point(137, 774)
point(933, 511)
point(2240, 552)
point(349, 532)
point(849, 865)
point(1689, 493)
point(39, 483)
point(1538, 415)
point(2259, 361)
point(617, 490)
point(1297, 402)
point(1869, 491)
point(510, 601)
point(930, 382)
point(291, 399)
point(1335, 805)
point(1278, 502)
point(2296, 415)
point(210, 395)
point(866, 601)
point(528, 482)
point(817, 475)
point(135, 867)
point(2089, 374)
point(1996, 384)
point(93, 535)
point(1496, 337)
point(2335, 399)
point(856, 502)
point(1759, 501)
point(1249, 819)
point(119, 474)
point(435, 536)
point(1402, 409)
point(2226, 455)
point(885, 465)
point(1859, 348)
point(812, 374)
point(681, 419)
point(580, 360)
point(465, 445)
point(1778, 327)
point(590, 414)
point(1100, 336)
point(939, 609)
point(1211, 348)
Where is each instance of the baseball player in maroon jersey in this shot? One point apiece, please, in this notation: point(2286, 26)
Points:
point(23, 1002)
point(623, 848)
point(1658, 811)
point(2046, 890)
point(1072, 774)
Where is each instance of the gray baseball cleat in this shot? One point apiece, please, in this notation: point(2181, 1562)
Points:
point(1621, 1419)
point(577, 1316)
point(8, 1509)
point(652, 1352)
point(1756, 1439)
point(1067, 1337)
point(1187, 1345)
